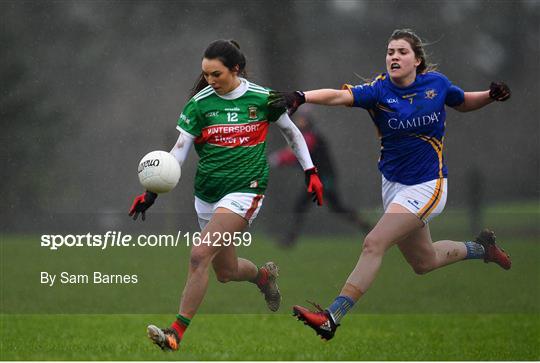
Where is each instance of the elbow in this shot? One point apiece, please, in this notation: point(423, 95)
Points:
point(344, 98)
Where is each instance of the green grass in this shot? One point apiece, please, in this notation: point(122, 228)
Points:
point(275, 337)
point(467, 311)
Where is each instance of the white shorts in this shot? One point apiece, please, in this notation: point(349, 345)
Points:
point(425, 200)
point(246, 205)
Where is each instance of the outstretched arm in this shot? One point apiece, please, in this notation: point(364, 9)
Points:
point(326, 96)
point(475, 100)
point(329, 97)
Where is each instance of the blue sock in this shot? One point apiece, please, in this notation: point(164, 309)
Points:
point(474, 250)
point(340, 307)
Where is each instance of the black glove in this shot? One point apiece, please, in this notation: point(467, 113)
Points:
point(499, 91)
point(141, 203)
point(289, 100)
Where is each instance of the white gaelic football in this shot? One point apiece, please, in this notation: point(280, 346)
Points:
point(159, 171)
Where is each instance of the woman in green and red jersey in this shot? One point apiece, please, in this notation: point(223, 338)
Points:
point(227, 119)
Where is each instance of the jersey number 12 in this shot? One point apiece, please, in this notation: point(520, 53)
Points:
point(232, 117)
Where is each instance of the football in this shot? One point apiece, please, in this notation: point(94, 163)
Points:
point(159, 171)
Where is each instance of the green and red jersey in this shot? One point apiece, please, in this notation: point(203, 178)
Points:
point(230, 139)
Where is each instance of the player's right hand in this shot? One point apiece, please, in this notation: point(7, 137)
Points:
point(499, 91)
point(289, 100)
point(141, 203)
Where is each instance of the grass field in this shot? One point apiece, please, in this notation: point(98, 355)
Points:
point(467, 311)
point(276, 337)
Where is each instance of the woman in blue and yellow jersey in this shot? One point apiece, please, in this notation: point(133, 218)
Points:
point(407, 105)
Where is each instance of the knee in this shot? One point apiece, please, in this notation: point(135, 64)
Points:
point(373, 245)
point(224, 276)
point(422, 267)
point(199, 260)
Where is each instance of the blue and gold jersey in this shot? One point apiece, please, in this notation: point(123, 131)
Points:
point(411, 123)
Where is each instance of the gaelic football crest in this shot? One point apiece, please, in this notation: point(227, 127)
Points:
point(252, 112)
point(430, 94)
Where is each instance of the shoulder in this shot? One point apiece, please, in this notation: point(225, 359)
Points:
point(434, 80)
point(257, 95)
point(435, 76)
point(379, 85)
point(202, 94)
point(376, 82)
point(257, 89)
point(379, 80)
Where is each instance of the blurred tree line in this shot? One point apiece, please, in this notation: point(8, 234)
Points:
point(88, 87)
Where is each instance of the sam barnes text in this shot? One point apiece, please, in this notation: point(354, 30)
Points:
point(79, 279)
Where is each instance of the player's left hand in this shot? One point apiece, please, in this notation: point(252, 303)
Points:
point(314, 185)
point(499, 91)
point(289, 100)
